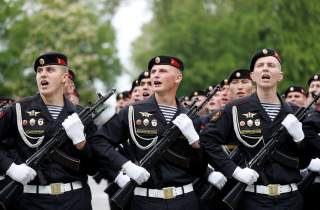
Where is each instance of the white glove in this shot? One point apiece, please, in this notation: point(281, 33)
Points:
point(122, 179)
point(314, 165)
point(21, 173)
point(217, 179)
point(294, 127)
point(245, 175)
point(184, 123)
point(137, 173)
point(74, 128)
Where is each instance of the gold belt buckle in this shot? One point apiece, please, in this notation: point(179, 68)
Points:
point(273, 189)
point(56, 189)
point(168, 192)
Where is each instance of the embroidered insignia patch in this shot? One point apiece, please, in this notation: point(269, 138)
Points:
point(145, 114)
point(249, 115)
point(216, 116)
point(33, 113)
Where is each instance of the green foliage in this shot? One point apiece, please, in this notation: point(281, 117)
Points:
point(80, 29)
point(214, 37)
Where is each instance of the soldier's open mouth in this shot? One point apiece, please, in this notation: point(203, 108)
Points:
point(145, 94)
point(266, 76)
point(157, 83)
point(44, 83)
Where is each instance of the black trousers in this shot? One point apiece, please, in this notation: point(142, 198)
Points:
point(311, 197)
point(79, 199)
point(286, 201)
point(187, 201)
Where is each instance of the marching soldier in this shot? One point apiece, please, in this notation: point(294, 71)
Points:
point(313, 85)
point(224, 92)
point(240, 84)
point(28, 124)
point(215, 102)
point(170, 185)
point(136, 91)
point(199, 96)
point(313, 120)
point(249, 122)
point(145, 85)
point(296, 95)
point(123, 100)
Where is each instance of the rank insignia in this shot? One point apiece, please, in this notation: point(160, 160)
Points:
point(33, 113)
point(145, 122)
point(40, 121)
point(242, 123)
point(257, 122)
point(32, 122)
point(24, 122)
point(145, 114)
point(249, 123)
point(154, 122)
point(138, 122)
point(249, 115)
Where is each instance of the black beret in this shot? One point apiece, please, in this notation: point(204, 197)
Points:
point(263, 53)
point(197, 93)
point(134, 84)
point(223, 83)
point(51, 58)
point(209, 89)
point(166, 60)
point(5, 100)
point(315, 77)
point(143, 75)
point(239, 74)
point(123, 95)
point(294, 88)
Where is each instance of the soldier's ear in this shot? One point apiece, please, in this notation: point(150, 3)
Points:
point(252, 77)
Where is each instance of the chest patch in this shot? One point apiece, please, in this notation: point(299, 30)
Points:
point(247, 127)
point(30, 126)
point(143, 127)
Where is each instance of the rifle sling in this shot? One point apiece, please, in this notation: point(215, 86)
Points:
point(285, 159)
point(176, 159)
point(65, 160)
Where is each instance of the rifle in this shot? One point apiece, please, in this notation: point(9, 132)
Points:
point(307, 181)
point(121, 197)
point(12, 188)
point(233, 197)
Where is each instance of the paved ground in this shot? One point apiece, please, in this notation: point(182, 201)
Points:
point(99, 198)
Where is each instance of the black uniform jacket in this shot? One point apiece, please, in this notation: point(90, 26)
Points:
point(147, 123)
point(311, 126)
point(244, 122)
point(37, 122)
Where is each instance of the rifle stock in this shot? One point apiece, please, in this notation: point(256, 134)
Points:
point(154, 154)
point(11, 189)
point(307, 181)
point(233, 197)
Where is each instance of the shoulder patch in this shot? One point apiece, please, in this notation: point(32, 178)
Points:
point(216, 116)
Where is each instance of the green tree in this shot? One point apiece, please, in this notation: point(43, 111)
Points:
point(81, 29)
point(214, 37)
